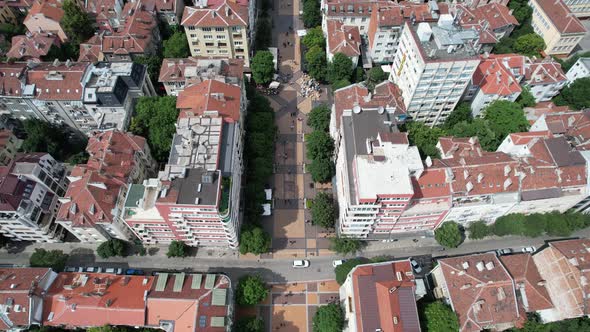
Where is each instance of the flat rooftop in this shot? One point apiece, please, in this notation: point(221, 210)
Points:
point(444, 40)
point(198, 186)
point(393, 174)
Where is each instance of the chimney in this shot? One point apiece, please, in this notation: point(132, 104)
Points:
point(350, 36)
point(227, 11)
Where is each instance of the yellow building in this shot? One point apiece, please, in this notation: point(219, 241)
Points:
point(580, 8)
point(218, 31)
point(7, 15)
point(558, 26)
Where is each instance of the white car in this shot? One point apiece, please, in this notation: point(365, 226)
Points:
point(299, 264)
point(415, 265)
point(530, 249)
point(338, 262)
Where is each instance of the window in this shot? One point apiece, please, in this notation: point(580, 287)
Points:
point(220, 37)
point(208, 36)
point(193, 35)
point(209, 44)
point(238, 43)
point(191, 28)
point(219, 29)
point(206, 29)
point(195, 43)
point(210, 51)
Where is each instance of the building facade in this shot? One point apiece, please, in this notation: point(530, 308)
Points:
point(9, 145)
point(30, 188)
point(433, 66)
point(580, 69)
point(218, 30)
point(557, 25)
point(580, 8)
point(545, 79)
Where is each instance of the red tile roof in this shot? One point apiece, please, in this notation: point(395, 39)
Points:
point(57, 82)
point(543, 108)
point(386, 94)
point(495, 79)
point(32, 46)
point(561, 16)
point(451, 147)
point(91, 192)
point(527, 137)
point(545, 71)
point(497, 16)
point(481, 292)
point(574, 125)
point(344, 39)
point(114, 153)
point(10, 74)
point(104, 11)
point(360, 7)
point(83, 300)
point(431, 183)
point(210, 96)
point(384, 297)
point(528, 280)
point(15, 285)
point(50, 9)
point(187, 306)
point(224, 13)
point(173, 70)
point(91, 50)
point(135, 36)
point(517, 64)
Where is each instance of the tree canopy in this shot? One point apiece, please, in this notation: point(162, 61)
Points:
point(263, 67)
point(254, 240)
point(461, 113)
point(329, 318)
point(177, 249)
point(341, 68)
point(425, 138)
point(439, 317)
point(154, 119)
point(152, 63)
point(521, 10)
point(479, 127)
point(319, 145)
point(176, 46)
point(77, 24)
point(449, 234)
point(526, 98)
point(58, 140)
point(319, 118)
point(576, 95)
point(505, 117)
point(323, 210)
point(55, 259)
point(340, 84)
point(316, 62)
point(322, 170)
point(314, 37)
point(530, 44)
point(249, 324)
point(312, 15)
point(110, 248)
point(345, 245)
point(478, 230)
point(251, 290)
point(375, 76)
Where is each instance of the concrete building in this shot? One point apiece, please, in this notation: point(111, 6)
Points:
point(493, 20)
point(7, 15)
point(580, 69)
point(83, 96)
point(218, 29)
point(196, 198)
point(92, 206)
point(107, 13)
point(343, 39)
point(176, 74)
point(557, 25)
point(478, 3)
point(30, 187)
point(490, 292)
point(580, 8)
point(564, 270)
point(380, 297)
point(170, 11)
point(494, 80)
point(21, 295)
point(45, 16)
point(545, 79)
point(432, 67)
point(9, 145)
point(349, 12)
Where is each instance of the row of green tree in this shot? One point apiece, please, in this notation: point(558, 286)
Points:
point(534, 324)
point(264, 25)
point(575, 95)
point(259, 150)
point(532, 225)
point(523, 40)
point(320, 145)
point(499, 119)
point(61, 141)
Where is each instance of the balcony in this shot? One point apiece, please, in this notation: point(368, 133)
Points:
point(225, 193)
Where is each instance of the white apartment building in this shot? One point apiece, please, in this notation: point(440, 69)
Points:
point(432, 67)
point(218, 30)
point(580, 8)
point(83, 96)
point(580, 69)
point(29, 190)
point(544, 78)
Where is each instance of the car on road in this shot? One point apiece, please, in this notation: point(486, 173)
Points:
point(505, 251)
point(301, 263)
point(529, 249)
point(338, 262)
point(134, 272)
point(415, 265)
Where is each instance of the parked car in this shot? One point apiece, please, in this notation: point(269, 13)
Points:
point(505, 251)
point(134, 272)
point(415, 265)
point(302, 263)
point(338, 262)
point(530, 249)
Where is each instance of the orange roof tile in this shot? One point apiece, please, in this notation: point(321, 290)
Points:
point(31, 46)
point(544, 71)
point(495, 79)
point(527, 278)
point(10, 74)
point(224, 13)
point(561, 16)
point(344, 39)
point(57, 82)
point(113, 153)
point(210, 96)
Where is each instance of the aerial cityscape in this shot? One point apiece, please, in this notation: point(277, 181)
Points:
point(293, 166)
